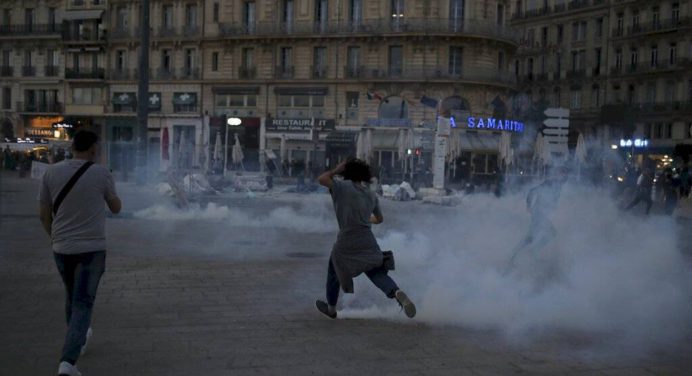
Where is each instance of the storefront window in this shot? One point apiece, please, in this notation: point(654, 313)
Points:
point(318, 101)
point(236, 100)
point(251, 100)
point(285, 101)
point(301, 101)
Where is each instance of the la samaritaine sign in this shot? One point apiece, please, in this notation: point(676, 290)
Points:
point(491, 123)
point(300, 125)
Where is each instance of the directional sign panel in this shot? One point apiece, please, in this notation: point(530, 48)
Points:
point(557, 112)
point(556, 132)
point(556, 123)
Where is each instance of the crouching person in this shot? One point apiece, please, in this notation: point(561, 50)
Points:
point(356, 250)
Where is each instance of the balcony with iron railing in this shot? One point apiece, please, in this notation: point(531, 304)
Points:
point(123, 33)
point(190, 31)
point(40, 107)
point(246, 72)
point(649, 68)
point(6, 71)
point(188, 73)
point(51, 71)
point(85, 73)
point(576, 74)
point(319, 71)
point(571, 6)
point(84, 3)
point(432, 73)
point(28, 71)
point(122, 74)
point(92, 35)
point(33, 30)
point(657, 27)
point(285, 72)
point(442, 26)
point(163, 73)
point(166, 32)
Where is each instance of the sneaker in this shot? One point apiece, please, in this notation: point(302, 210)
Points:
point(323, 307)
point(67, 369)
point(405, 303)
point(86, 341)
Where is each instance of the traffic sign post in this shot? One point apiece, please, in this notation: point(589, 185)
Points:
point(556, 131)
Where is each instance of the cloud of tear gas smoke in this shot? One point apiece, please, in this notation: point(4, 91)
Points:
point(307, 218)
point(607, 273)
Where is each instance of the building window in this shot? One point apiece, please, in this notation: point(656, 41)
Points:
point(396, 60)
point(236, 100)
point(7, 98)
point(529, 68)
point(558, 65)
point(544, 37)
point(353, 61)
point(190, 62)
point(455, 60)
point(619, 24)
point(6, 16)
point(300, 101)
point(248, 57)
point(166, 60)
point(352, 104)
point(673, 54)
point(596, 96)
point(355, 13)
point(654, 55)
point(214, 61)
point(86, 95)
point(634, 58)
point(631, 95)
point(651, 94)
point(530, 38)
point(167, 17)
point(51, 18)
point(287, 15)
point(597, 58)
point(575, 100)
point(500, 15)
point(560, 34)
point(501, 61)
point(191, 16)
point(675, 13)
point(397, 12)
point(655, 18)
point(121, 22)
point(215, 13)
point(249, 10)
point(635, 20)
point(670, 92)
point(120, 60)
point(321, 14)
point(618, 58)
point(599, 27)
point(286, 61)
point(28, 18)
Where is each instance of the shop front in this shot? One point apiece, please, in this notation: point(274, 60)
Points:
point(183, 144)
point(300, 144)
point(121, 146)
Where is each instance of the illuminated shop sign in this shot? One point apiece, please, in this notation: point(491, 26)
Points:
point(637, 143)
point(63, 125)
point(490, 123)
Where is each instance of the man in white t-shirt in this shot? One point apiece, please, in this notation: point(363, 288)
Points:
point(72, 200)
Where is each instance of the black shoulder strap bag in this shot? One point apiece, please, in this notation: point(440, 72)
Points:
point(68, 187)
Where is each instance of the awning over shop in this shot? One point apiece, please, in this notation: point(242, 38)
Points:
point(322, 90)
point(72, 15)
point(341, 139)
point(238, 90)
point(123, 98)
point(479, 141)
point(185, 98)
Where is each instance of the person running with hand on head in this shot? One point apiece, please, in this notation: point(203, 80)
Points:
point(356, 250)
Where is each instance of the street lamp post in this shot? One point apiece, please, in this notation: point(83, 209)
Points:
point(231, 122)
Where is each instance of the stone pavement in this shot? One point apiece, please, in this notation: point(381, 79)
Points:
point(164, 312)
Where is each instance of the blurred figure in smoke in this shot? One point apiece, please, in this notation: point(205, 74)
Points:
point(645, 184)
point(356, 251)
point(670, 192)
point(541, 203)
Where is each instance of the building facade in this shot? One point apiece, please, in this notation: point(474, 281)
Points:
point(624, 68)
point(312, 80)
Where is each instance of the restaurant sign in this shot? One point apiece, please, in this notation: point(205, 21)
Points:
point(300, 125)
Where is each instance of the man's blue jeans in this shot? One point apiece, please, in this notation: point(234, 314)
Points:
point(81, 274)
point(378, 276)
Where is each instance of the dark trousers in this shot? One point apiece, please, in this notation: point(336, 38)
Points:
point(378, 276)
point(81, 274)
point(641, 196)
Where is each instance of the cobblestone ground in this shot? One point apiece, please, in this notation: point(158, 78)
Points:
point(161, 311)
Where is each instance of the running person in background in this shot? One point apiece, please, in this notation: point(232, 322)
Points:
point(541, 203)
point(356, 251)
point(645, 184)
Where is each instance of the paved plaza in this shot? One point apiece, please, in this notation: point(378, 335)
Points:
point(168, 305)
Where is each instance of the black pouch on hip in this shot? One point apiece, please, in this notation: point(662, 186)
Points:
point(388, 260)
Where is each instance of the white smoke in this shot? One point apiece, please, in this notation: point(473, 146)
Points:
point(308, 218)
point(608, 273)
